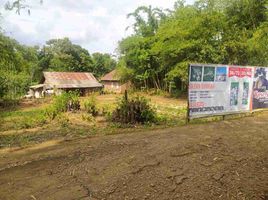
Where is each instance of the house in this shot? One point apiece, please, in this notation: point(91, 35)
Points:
point(112, 83)
point(56, 82)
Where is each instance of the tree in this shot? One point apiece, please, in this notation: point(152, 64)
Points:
point(102, 64)
point(210, 31)
point(147, 26)
point(62, 55)
point(247, 14)
point(18, 63)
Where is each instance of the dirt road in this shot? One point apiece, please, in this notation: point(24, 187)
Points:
point(221, 160)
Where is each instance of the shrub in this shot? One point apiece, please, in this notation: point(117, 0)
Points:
point(9, 103)
point(31, 121)
point(63, 103)
point(178, 93)
point(67, 102)
point(90, 106)
point(51, 112)
point(134, 110)
point(60, 103)
point(73, 101)
point(105, 110)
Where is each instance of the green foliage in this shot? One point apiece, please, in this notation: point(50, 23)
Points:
point(74, 102)
point(258, 47)
point(102, 64)
point(9, 103)
point(147, 26)
point(210, 31)
point(31, 121)
point(90, 106)
point(134, 110)
point(105, 110)
point(67, 101)
point(63, 55)
point(22, 66)
point(51, 112)
point(22, 119)
point(157, 54)
point(18, 63)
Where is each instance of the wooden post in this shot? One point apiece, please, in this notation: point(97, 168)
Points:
point(126, 95)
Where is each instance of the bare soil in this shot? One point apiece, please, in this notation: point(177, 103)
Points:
point(219, 160)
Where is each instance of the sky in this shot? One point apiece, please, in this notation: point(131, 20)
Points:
point(96, 25)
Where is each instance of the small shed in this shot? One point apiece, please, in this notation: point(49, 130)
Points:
point(37, 91)
point(112, 83)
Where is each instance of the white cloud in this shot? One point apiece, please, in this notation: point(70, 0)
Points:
point(97, 25)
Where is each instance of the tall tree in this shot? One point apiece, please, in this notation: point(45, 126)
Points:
point(210, 31)
point(102, 63)
point(147, 25)
point(62, 55)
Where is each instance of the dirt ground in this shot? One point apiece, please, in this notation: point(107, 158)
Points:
point(219, 160)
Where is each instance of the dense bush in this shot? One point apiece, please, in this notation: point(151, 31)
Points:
point(134, 110)
point(90, 106)
point(8, 103)
point(63, 103)
point(73, 101)
point(105, 110)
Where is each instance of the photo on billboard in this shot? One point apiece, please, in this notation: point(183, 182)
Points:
point(209, 74)
point(245, 93)
point(260, 88)
point(221, 74)
point(234, 93)
point(196, 73)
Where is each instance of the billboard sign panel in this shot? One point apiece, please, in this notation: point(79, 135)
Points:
point(219, 89)
point(260, 88)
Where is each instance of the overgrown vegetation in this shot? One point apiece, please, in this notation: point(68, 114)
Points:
point(155, 59)
point(52, 119)
point(68, 101)
point(90, 106)
point(22, 66)
point(209, 31)
point(157, 54)
point(134, 110)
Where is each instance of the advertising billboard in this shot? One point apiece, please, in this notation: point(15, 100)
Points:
point(219, 89)
point(260, 88)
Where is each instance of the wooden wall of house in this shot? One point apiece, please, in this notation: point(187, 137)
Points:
point(115, 86)
point(112, 86)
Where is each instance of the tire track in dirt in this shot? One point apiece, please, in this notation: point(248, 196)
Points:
point(220, 160)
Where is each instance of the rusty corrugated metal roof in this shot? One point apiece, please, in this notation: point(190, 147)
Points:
point(71, 80)
point(111, 76)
